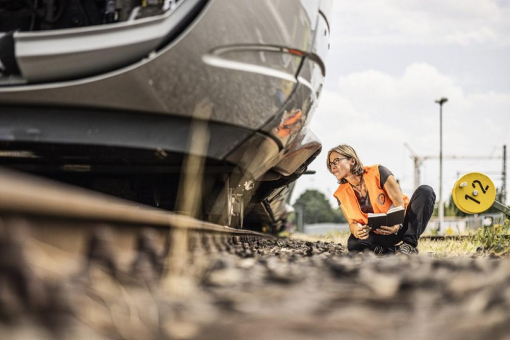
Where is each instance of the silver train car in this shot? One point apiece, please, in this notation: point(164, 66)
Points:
point(128, 97)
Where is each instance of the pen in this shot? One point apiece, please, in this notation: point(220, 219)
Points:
point(361, 225)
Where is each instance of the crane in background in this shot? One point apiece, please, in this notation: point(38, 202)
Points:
point(418, 161)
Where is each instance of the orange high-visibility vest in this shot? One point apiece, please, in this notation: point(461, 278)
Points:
point(284, 127)
point(379, 199)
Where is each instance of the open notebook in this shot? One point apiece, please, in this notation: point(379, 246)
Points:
point(392, 217)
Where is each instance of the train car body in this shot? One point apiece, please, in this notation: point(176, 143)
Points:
point(123, 96)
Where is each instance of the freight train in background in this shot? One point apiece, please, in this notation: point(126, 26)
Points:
point(108, 94)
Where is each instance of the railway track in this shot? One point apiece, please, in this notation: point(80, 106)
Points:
point(69, 254)
point(452, 237)
point(76, 265)
point(446, 237)
point(24, 195)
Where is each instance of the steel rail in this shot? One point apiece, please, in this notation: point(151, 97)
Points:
point(26, 194)
point(450, 237)
point(70, 253)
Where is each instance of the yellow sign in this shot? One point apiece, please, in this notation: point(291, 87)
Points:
point(474, 193)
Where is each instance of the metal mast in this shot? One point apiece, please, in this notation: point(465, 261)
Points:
point(441, 207)
point(503, 185)
point(417, 165)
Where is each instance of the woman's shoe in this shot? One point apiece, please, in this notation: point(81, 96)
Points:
point(407, 249)
point(381, 251)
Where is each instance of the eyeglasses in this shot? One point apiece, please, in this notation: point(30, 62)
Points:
point(336, 161)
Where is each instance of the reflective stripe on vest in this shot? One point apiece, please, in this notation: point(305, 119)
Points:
point(379, 200)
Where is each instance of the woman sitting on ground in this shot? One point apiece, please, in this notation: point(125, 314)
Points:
point(373, 189)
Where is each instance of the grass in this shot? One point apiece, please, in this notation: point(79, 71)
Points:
point(448, 248)
point(495, 239)
point(491, 241)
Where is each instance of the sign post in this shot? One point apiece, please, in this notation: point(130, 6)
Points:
point(474, 193)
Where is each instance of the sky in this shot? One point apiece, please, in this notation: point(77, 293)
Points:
point(388, 63)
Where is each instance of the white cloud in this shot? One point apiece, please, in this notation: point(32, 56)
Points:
point(376, 113)
point(418, 22)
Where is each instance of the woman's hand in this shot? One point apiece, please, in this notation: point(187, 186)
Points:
point(387, 230)
point(361, 231)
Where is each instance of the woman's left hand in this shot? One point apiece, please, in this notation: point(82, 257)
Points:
point(387, 230)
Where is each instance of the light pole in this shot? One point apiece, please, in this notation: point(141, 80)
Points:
point(441, 208)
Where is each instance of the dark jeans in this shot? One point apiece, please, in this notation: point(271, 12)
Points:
point(418, 214)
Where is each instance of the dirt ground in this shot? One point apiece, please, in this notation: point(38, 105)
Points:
point(285, 289)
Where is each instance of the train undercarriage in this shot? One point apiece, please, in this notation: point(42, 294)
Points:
point(148, 100)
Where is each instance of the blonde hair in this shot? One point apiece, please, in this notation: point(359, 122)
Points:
point(349, 153)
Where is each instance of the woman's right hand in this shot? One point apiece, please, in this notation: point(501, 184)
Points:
point(361, 231)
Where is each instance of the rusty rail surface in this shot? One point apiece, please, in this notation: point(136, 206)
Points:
point(445, 237)
point(451, 237)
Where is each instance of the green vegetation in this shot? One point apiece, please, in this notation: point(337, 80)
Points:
point(488, 241)
point(495, 239)
point(316, 208)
